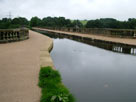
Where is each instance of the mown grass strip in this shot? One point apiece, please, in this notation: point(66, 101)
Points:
point(52, 87)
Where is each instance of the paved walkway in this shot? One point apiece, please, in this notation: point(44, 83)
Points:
point(19, 68)
point(99, 37)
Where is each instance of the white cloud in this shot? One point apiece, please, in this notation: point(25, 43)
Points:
point(74, 9)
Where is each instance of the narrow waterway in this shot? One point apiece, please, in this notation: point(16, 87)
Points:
point(93, 74)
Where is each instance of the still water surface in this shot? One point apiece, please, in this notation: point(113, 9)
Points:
point(93, 74)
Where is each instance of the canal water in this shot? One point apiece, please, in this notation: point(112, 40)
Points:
point(93, 74)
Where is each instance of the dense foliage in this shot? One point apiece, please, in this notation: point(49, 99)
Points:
point(111, 23)
point(54, 22)
point(52, 88)
point(7, 23)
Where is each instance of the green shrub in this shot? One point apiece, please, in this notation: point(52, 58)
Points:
point(48, 72)
point(12, 26)
point(58, 94)
point(48, 76)
point(52, 88)
point(48, 82)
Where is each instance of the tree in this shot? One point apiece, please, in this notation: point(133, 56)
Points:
point(20, 20)
point(94, 24)
point(132, 23)
point(109, 23)
point(48, 22)
point(68, 23)
point(17, 22)
point(35, 21)
point(56, 22)
point(77, 24)
point(5, 23)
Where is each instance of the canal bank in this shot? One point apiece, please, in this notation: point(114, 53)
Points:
point(105, 79)
point(112, 44)
point(20, 65)
point(107, 39)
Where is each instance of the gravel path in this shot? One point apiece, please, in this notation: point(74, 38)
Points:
point(19, 68)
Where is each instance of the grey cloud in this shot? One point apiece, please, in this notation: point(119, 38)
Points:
point(74, 9)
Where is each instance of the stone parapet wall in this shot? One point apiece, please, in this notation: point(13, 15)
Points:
point(125, 33)
point(11, 35)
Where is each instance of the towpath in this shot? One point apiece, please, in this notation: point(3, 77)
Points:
point(128, 41)
point(19, 68)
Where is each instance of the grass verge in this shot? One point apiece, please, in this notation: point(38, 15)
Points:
point(52, 87)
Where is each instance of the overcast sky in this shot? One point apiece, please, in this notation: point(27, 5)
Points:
point(73, 9)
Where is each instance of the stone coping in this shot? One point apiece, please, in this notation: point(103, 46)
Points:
point(125, 33)
point(12, 35)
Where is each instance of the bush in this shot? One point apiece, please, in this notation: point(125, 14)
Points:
point(52, 88)
point(48, 77)
point(57, 94)
point(14, 26)
point(48, 72)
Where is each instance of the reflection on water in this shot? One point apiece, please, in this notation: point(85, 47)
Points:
point(124, 50)
point(116, 47)
point(96, 75)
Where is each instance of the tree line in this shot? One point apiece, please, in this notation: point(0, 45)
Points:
point(112, 23)
point(7, 23)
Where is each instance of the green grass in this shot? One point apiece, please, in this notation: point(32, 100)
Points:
point(52, 88)
point(83, 22)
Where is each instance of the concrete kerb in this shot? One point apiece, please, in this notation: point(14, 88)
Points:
point(45, 58)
